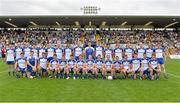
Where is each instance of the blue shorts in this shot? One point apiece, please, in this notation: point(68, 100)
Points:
point(22, 70)
point(160, 60)
point(10, 62)
point(137, 71)
point(29, 69)
point(76, 58)
point(145, 71)
point(154, 72)
point(43, 70)
point(49, 59)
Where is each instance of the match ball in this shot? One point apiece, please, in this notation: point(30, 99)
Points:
point(110, 78)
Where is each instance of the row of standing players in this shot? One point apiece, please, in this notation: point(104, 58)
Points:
point(142, 62)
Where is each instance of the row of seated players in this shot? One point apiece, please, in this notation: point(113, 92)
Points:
point(62, 68)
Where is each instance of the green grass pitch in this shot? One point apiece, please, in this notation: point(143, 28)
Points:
point(62, 90)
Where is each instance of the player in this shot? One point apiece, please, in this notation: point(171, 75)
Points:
point(108, 68)
point(53, 67)
point(99, 50)
point(50, 52)
point(42, 65)
point(59, 51)
point(10, 55)
point(41, 51)
point(136, 64)
point(68, 52)
point(71, 67)
point(128, 51)
point(35, 49)
point(31, 65)
point(89, 50)
point(117, 65)
point(80, 64)
point(18, 51)
point(62, 66)
point(27, 50)
point(144, 67)
point(89, 68)
point(154, 67)
point(160, 56)
point(78, 50)
point(118, 52)
point(126, 67)
point(109, 52)
point(141, 51)
point(149, 52)
point(99, 65)
point(21, 66)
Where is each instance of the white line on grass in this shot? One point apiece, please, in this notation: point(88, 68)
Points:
point(3, 71)
point(174, 75)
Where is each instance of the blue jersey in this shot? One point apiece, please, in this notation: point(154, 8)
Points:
point(159, 52)
point(18, 52)
point(59, 52)
point(43, 62)
point(99, 63)
point(145, 64)
point(126, 64)
point(68, 52)
point(99, 51)
point(78, 51)
point(129, 53)
point(154, 63)
point(136, 63)
point(27, 51)
point(140, 52)
point(108, 64)
point(62, 63)
point(89, 51)
point(118, 52)
point(31, 60)
point(71, 63)
point(108, 52)
point(36, 51)
point(21, 63)
point(80, 63)
point(117, 64)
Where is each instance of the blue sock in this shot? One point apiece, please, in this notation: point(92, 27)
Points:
point(93, 76)
point(157, 77)
point(9, 73)
point(82, 76)
point(87, 75)
point(131, 77)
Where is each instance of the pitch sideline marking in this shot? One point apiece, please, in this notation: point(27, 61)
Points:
point(174, 75)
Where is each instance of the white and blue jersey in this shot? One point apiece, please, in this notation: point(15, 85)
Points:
point(89, 51)
point(99, 63)
point(126, 64)
point(159, 55)
point(21, 63)
point(99, 51)
point(136, 63)
point(41, 50)
point(145, 64)
point(108, 64)
point(59, 52)
point(118, 52)
point(80, 63)
point(54, 63)
point(62, 64)
point(50, 52)
point(117, 64)
point(154, 63)
point(129, 53)
point(71, 63)
point(140, 52)
point(18, 52)
point(68, 52)
point(27, 51)
point(78, 51)
point(108, 52)
point(35, 50)
point(43, 62)
point(10, 56)
point(149, 52)
point(90, 64)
